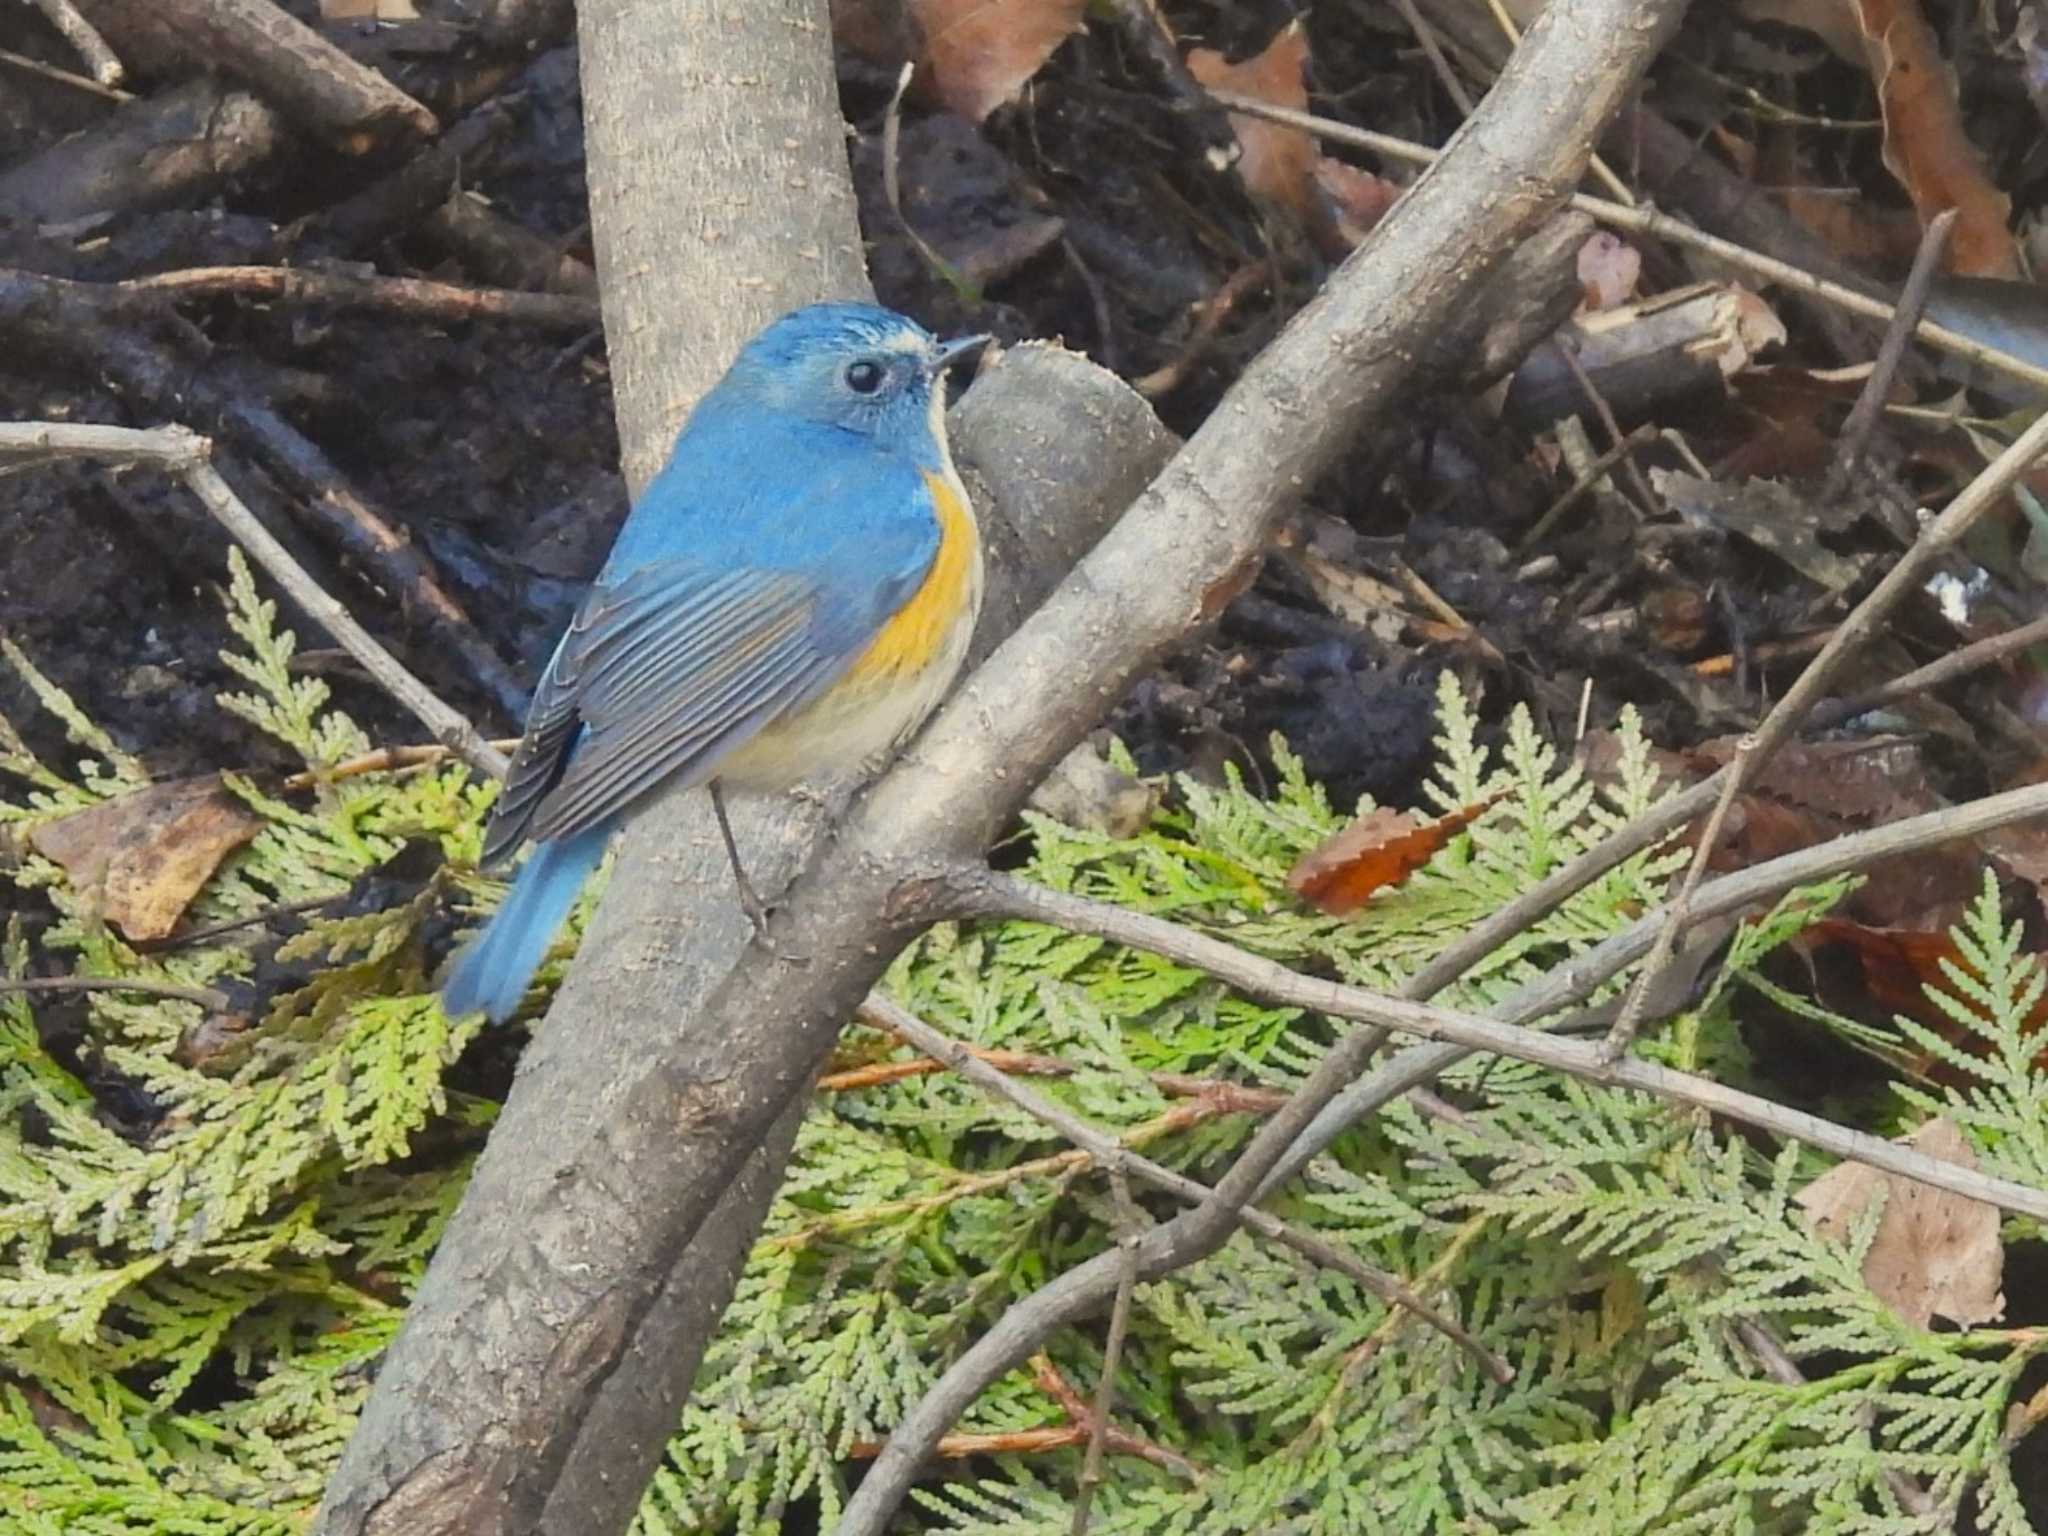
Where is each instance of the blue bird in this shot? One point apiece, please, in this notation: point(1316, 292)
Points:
point(793, 592)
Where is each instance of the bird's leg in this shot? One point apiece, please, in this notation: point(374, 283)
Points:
point(757, 914)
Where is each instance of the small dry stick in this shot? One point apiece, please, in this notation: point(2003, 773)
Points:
point(1660, 226)
point(990, 894)
point(1870, 403)
point(886, 1014)
point(1208, 315)
point(1978, 653)
point(82, 36)
point(1595, 472)
point(1645, 497)
point(184, 453)
point(1939, 536)
point(892, 187)
point(411, 296)
point(206, 997)
point(65, 77)
point(1425, 34)
point(1132, 1222)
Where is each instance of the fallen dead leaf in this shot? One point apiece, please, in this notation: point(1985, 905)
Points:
point(1767, 514)
point(1358, 198)
point(150, 852)
point(1380, 849)
point(980, 54)
point(1898, 965)
point(1278, 164)
point(1085, 790)
point(1935, 1254)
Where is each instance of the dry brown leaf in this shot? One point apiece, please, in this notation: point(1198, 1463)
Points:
point(1335, 204)
point(149, 853)
point(979, 54)
point(1380, 849)
point(1925, 147)
point(1935, 1254)
point(1278, 164)
point(1358, 198)
point(1924, 143)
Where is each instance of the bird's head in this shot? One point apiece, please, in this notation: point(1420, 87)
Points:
point(857, 367)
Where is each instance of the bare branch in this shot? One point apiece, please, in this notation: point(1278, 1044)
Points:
point(884, 1013)
point(1567, 983)
point(1661, 226)
point(186, 454)
point(1935, 541)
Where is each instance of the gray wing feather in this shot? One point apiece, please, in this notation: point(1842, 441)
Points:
point(658, 677)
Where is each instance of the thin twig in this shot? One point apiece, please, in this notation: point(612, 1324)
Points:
point(1208, 316)
point(1647, 221)
point(410, 296)
point(1593, 474)
point(884, 1013)
point(1862, 419)
point(91, 87)
point(1567, 983)
point(1936, 539)
point(1978, 653)
point(104, 63)
point(990, 894)
point(1048, 1379)
point(206, 997)
point(1229, 1097)
point(1112, 1354)
point(892, 187)
point(1645, 497)
point(186, 454)
point(384, 760)
point(1425, 34)
point(1732, 664)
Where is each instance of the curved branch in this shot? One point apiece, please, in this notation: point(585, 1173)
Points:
point(1513, 160)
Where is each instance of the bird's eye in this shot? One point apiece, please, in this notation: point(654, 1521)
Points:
point(864, 377)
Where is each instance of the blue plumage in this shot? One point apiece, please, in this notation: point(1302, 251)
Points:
point(803, 512)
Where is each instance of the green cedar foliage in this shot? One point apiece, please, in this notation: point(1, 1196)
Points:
point(191, 1306)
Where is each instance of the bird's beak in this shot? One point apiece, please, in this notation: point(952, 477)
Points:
point(958, 350)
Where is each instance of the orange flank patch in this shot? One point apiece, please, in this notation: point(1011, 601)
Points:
point(913, 639)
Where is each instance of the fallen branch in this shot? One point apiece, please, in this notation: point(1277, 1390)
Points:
point(298, 71)
point(1108, 1153)
point(163, 151)
point(1647, 221)
point(73, 321)
point(85, 40)
point(187, 455)
point(410, 296)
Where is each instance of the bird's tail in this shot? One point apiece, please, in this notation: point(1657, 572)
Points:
point(493, 971)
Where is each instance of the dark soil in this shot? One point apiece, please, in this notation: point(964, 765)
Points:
point(1089, 212)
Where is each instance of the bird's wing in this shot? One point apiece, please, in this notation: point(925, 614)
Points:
point(660, 674)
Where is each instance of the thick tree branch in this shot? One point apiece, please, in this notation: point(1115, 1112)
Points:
point(669, 1053)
